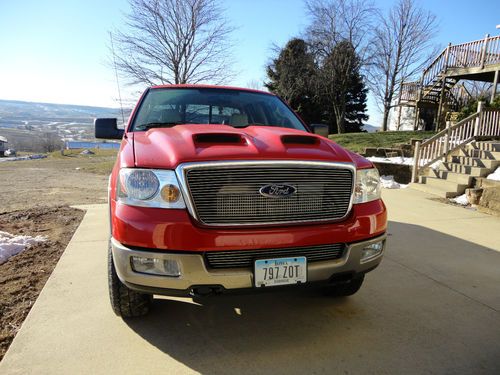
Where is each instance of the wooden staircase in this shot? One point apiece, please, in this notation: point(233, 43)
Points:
point(439, 86)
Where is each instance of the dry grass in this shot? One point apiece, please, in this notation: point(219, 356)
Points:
point(357, 142)
point(100, 162)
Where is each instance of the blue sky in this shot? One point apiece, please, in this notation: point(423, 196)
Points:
point(55, 50)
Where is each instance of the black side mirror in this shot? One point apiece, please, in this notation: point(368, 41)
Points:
point(320, 129)
point(106, 128)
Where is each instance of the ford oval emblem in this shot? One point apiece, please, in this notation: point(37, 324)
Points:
point(277, 190)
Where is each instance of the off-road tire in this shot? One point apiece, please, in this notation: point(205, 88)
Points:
point(345, 289)
point(125, 302)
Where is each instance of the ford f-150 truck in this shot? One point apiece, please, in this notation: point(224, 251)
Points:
point(219, 189)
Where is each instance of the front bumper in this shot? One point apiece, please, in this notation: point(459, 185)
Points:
point(194, 272)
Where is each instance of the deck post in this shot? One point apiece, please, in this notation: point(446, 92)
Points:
point(483, 50)
point(419, 95)
point(400, 108)
point(414, 171)
point(415, 125)
point(494, 88)
point(441, 100)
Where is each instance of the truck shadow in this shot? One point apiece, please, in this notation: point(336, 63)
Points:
point(229, 333)
point(384, 326)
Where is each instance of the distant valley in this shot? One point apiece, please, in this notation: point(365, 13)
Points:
point(36, 127)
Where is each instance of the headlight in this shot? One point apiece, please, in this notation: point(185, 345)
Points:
point(139, 184)
point(149, 188)
point(367, 185)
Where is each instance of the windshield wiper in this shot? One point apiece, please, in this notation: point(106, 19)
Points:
point(151, 125)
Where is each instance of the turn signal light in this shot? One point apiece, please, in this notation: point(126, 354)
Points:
point(170, 193)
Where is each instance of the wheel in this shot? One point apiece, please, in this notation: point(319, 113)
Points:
point(125, 302)
point(346, 289)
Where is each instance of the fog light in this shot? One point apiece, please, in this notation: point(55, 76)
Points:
point(371, 251)
point(154, 266)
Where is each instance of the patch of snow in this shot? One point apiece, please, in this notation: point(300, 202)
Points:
point(11, 245)
point(388, 182)
point(28, 157)
point(495, 176)
point(461, 200)
point(435, 166)
point(393, 160)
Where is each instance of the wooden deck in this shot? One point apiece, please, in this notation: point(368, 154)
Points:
point(440, 87)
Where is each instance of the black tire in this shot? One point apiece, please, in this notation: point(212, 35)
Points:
point(125, 302)
point(346, 289)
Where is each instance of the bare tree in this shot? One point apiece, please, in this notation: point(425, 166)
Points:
point(50, 142)
point(400, 46)
point(478, 90)
point(255, 84)
point(174, 42)
point(334, 21)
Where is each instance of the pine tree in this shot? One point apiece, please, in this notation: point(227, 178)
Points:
point(342, 89)
point(292, 76)
point(327, 90)
point(356, 104)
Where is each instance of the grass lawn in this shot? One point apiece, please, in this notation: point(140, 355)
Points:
point(101, 162)
point(357, 142)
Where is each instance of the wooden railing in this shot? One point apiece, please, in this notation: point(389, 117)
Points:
point(486, 122)
point(466, 54)
point(409, 91)
point(437, 67)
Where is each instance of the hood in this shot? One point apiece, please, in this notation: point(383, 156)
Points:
point(166, 148)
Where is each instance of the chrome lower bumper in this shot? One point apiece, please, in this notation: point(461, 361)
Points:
point(195, 273)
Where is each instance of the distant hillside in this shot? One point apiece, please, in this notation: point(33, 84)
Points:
point(38, 127)
point(371, 128)
point(13, 112)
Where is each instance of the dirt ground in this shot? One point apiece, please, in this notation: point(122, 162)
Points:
point(23, 276)
point(34, 200)
point(75, 179)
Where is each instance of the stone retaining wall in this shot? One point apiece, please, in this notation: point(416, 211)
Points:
point(490, 199)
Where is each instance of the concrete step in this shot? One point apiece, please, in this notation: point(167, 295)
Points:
point(436, 190)
point(450, 187)
point(464, 169)
point(476, 153)
point(458, 178)
point(486, 146)
point(475, 162)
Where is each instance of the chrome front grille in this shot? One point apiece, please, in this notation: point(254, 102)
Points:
point(228, 193)
point(246, 258)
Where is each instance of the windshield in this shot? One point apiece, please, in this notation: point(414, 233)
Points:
point(170, 107)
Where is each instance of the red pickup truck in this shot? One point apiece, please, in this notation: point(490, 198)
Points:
point(219, 189)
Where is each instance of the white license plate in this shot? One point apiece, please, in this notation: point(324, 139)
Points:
point(280, 271)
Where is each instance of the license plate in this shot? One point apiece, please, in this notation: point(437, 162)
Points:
point(280, 271)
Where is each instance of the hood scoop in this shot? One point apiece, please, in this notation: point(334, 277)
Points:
point(299, 140)
point(206, 139)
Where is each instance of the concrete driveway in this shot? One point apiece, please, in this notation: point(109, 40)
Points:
point(432, 307)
